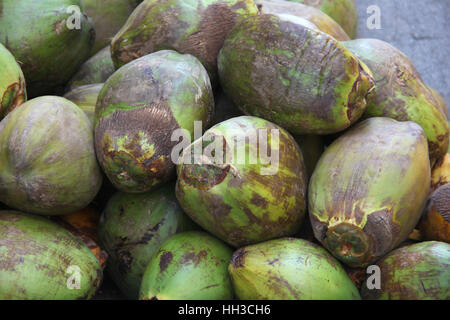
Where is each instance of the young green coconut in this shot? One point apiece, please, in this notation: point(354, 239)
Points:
point(50, 38)
point(245, 183)
point(108, 16)
point(401, 93)
point(132, 227)
point(47, 158)
point(138, 110)
point(369, 189)
point(85, 97)
point(289, 269)
point(322, 21)
point(342, 11)
point(188, 266)
point(419, 271)
point(440, 101)
point(295, 76)
point(12, 83)
point(40, 260)
point(95, 70)
point(197, 27)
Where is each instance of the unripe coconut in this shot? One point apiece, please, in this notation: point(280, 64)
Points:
point(440, 101)
point(188, 266)
point(83, 224)
point(369, 189)
point(312, 148)
point(342, 11)
point(50, 38)
point(95, 70)
point(196, 27)
point(435, 224)
point(12, 83)
point(440, 175)
point(300, 78)
point(137, 112)
point(108, 16)
point(133, 227)
point(246, 182)
point(322, 21)
point(85, 97)
point(289, 269)
point(40, 260)
point(401, 93)
point(47, 158)
point(415, 272)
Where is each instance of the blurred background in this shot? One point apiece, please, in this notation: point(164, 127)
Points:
point(419, 28)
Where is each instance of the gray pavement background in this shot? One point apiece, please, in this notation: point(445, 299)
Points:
point(420, 29)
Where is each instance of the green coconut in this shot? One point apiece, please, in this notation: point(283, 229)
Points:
point(440, 101)
point(95, 70)
point(369, 189)
point(85, 97)
point(419, 271)
point(108, 16)
point(47, 158)
point(321, 21)
point(235, 190)
point(40, 260)
point(138, 110)
point(132, 227)
point(342, 11)
point(12, 83)
point(196, 27)
point(312, 148)
point(188, 266)
point(288, 75)
point(289, 269)
point(46, 38)
point(401, 93)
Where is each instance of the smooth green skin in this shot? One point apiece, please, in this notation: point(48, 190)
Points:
point(287, 75)
point(419, 271)
point(132, 227)
point(249, 205)
point(47, 158)
point(164, 90)
point(197, 27)
point(12, 83)
point(36, 33)
point(188, 266)
point(108, 16)
point(95, 70)
point(289, 269)
point(403, 97)
point(85, 97)
point(342, 11)
point(35, 256)
point(377, 171)
point(321, 21)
